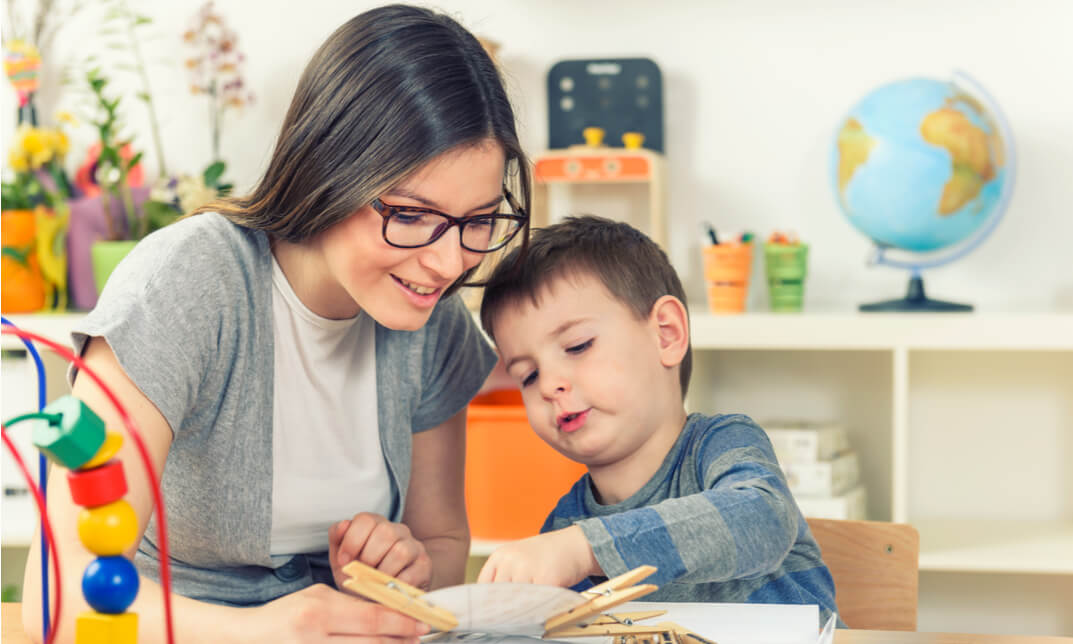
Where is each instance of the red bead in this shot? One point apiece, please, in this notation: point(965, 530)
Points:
point(98, 486)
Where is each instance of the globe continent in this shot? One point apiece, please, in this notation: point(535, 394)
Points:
point(918, 165)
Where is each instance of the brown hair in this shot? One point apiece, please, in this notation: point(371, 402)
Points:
point(630, 265)
point(389, 91)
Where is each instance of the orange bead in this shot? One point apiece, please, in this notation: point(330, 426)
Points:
point(109, 529)
point(97, 628)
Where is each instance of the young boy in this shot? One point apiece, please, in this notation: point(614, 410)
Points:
point(593, 327)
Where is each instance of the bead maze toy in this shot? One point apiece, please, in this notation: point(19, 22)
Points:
point(74, 437)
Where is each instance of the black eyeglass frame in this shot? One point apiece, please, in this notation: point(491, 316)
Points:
point(387, 211)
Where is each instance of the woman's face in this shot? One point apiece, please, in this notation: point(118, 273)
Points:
point(398, 287)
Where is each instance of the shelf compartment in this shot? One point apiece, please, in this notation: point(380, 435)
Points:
point(996, 546)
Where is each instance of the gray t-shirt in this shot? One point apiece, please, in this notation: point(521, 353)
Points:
point(189, 316)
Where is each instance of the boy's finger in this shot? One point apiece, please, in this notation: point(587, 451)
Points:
point(487, 574)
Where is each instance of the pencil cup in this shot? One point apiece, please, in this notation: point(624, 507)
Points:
point(786, 266)
point(726, 271)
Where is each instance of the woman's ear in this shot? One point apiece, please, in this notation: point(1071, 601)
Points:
point(671, 323)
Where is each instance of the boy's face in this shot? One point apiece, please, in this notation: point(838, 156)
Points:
point(591, 373)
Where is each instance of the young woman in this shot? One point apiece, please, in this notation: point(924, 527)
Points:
point(296, 360)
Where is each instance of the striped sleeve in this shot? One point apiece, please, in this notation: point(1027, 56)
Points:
point(741, 525)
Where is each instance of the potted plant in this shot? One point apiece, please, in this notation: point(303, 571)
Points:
point(35, 214)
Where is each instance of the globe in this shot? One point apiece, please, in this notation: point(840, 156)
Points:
point(925, 169)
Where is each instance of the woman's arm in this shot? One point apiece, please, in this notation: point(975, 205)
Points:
point(310, 615)
point(435, 503)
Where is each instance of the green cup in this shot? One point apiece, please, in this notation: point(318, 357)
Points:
point(786, 266)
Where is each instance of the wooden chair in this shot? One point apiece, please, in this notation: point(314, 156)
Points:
point(875, 568)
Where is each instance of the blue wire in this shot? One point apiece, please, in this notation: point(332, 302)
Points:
point(42, 474)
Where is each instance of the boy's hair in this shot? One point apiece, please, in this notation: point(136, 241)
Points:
point(630, 265)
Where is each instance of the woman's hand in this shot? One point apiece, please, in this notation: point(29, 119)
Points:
point(375, 541)
point(559, 558)
point(317, 613)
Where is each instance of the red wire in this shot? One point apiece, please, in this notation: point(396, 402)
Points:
point(135, 434)
point(40, 501)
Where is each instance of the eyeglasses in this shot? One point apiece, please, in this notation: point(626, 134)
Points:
point(413, 227)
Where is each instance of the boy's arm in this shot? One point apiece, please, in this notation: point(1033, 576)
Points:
point(741, 526)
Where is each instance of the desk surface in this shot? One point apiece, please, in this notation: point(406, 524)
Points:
point(11, 618)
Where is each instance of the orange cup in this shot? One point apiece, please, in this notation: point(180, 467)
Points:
point(513, 478)
point(726, 270)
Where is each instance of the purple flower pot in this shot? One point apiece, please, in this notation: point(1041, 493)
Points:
point(88, 225)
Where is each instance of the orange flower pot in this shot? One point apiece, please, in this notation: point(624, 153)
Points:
point(22, 287)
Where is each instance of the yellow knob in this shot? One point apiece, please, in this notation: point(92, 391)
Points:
point(594, 136)
point(633, 140)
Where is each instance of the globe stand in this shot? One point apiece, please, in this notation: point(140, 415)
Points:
point(915, 300)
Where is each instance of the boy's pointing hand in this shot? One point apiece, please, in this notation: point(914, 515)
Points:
point(559, 558)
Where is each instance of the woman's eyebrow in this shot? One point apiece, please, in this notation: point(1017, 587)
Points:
point(410, 194)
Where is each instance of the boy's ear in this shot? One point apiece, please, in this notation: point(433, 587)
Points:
point(671, 322)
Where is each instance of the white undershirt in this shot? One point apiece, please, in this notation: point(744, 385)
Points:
point(327, 460)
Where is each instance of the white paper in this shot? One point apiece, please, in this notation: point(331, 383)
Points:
point(515, 613)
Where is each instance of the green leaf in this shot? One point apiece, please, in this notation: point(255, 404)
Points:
point(212, 174)
point(134, 161)
point(159, 214)
point(145, 97)
point(109, 155)
point(12, 197)
point(142, 20)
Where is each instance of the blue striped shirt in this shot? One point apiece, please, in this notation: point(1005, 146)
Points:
point(717, 520)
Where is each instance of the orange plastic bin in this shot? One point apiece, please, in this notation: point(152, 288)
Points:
point(513, 478)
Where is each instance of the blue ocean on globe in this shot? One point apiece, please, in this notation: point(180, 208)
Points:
point(919, 165)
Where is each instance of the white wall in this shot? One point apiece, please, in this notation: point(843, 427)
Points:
point(753, 92)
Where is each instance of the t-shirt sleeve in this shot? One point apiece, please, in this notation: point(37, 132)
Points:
point(457, 360)
point(161, 314)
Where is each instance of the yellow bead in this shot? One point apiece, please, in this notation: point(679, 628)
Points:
point(97, 628)
point(112, 443)
point(108, 529)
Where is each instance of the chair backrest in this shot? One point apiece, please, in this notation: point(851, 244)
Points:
point(875, 568)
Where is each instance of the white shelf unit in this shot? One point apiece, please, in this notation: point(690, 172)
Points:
point(19, 395)
point(963, 422)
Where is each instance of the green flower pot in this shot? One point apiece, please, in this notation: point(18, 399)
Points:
point(105, 256)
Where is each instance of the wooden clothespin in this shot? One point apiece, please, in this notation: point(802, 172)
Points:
point(632, 633)
point(393, 593)
point(606, 595)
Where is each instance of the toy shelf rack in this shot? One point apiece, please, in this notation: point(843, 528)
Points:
point(584, 164)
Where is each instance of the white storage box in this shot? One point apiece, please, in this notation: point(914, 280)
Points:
point(823, 478)
point(851, 505)
point(803, 442)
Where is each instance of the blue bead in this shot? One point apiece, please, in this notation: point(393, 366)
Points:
point(110, 584)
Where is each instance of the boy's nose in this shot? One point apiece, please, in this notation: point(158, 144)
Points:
point(555, 386)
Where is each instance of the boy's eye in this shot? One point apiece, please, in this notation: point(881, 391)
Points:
point(579, 348)
point(529, 379)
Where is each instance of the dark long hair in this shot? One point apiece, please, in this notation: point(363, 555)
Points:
point(389, 91)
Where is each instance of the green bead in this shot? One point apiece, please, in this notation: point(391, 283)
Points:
point(75, 439)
